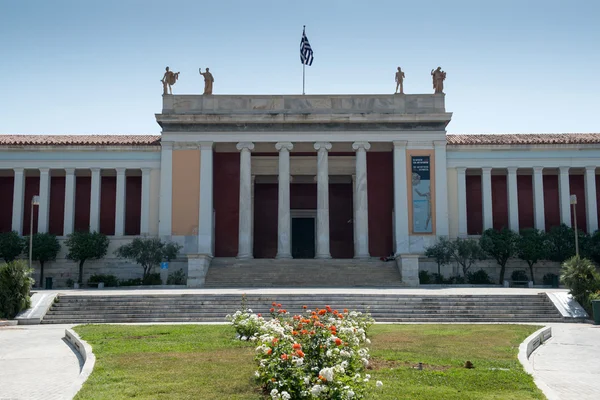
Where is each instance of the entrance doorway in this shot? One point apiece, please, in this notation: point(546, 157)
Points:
point(303, 237)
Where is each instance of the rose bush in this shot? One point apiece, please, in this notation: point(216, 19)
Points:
point(319, 354)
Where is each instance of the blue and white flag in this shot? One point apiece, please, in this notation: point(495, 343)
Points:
point(306, 53)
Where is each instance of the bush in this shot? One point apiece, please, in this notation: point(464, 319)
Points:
point(438, 278)
point(479, 278)
point(441, 252)
point(70, 283)
point(148, 253)
point(548, 279)
point(561, 243)
point(455, 280)
point(581, 278)
point(519, 275)
point(15, 284)
point(424, 278)
point(152, 279)
point(177, 278)
point(11, 245)
point(109, 280)
point(131, 282)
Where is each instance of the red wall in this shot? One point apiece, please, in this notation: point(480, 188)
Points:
point(57, 205)
point(108, 204)
point(474, 205)
point(32, 188)
point(341, 233)
point(226, 198)
point(551, 204)
point(265, 219)
point(577, 187)
point(6, 194)
point(499, 202)
point(83, 187)
point(380, 191)
point(526, 211)
point(133, 206)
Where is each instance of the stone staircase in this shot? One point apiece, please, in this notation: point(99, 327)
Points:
point(139, 307)
point(231, 273)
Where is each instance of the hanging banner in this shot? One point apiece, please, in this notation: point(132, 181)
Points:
point(421, 195)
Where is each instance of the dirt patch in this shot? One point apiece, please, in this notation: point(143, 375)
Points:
point(378, 363)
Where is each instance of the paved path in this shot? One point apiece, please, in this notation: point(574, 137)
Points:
point(569, 363)
point(35, 363)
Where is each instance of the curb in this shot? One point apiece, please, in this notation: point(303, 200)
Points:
point(529, 345)
point(9, 322)
point(89, 359)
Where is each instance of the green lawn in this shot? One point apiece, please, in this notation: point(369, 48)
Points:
point(205, 362)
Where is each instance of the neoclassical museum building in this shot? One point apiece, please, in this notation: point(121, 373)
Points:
point(298, 176)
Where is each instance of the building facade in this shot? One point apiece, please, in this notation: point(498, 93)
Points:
point(328, 176)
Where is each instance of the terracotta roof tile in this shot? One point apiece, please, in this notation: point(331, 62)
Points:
point(79, 140)
point(524, 138)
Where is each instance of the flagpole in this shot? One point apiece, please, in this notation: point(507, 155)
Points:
point(303, 63)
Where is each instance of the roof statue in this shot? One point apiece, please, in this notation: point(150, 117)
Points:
point(208, 80)
point(400, 81)
point(438, 80)
point(168, 80)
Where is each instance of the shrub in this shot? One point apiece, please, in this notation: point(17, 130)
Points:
point(500, 245)
point(531, 248)
point(84, 246)
point(108, 280)
point(479, 278)
point(152, 279)
point(424, 278)
point(148, 253)
point(45, 248)
point(177, 278)
point(441, 252)
point(465, 252)
point(581, 278)
point(561, 243)
point(437, 278)
point(455, 280)
point(548, 279)
point(11, 245)
point(519, 275)
point(15, 284)
point(131, 282)
point(70, 283)
point(319, 355)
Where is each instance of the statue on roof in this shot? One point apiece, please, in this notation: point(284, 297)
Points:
point(400, 81)
point(168, 80)
point(208, 80)
point(438, 80)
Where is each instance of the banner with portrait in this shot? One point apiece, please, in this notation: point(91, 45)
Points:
point(422, 212)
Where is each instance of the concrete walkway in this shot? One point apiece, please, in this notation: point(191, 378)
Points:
point(35, 363)
point(569, 363)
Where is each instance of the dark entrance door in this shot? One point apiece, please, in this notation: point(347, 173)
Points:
point(303, 237)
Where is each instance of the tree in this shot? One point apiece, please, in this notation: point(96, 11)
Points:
point(531, 247)
point(15, 286)
point(593, 247)
point(86, 246)
point(148, 252)
point(500, 245)
point(45, 248)
point(11, 245)
point(441, 252)
point(561, 243)
point(582, 278)
point(465, 252)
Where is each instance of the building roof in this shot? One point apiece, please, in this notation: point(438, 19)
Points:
point(154, 140)
point(79, 140)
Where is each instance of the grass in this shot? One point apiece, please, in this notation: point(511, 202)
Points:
point(205, 362)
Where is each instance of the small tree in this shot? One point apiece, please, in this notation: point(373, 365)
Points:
point(593, 247)
point(11, 245)
point(15, 285)
point(465, 252)
point(561, 243)
point(441, 252)
point(45, 248)
point(500, 245)
point(582, 279)
point(531, 248)
point(86, 246)
point(148, 252)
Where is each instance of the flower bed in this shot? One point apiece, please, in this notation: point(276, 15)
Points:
point(319, 354)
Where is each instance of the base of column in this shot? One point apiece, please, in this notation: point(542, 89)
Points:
point(283, 256)
point(244, 257)
point(408, 264)
point(362, 256)
point(198, 265)
point(323, 256)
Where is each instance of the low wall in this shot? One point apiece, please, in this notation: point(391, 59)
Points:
point(493, 269)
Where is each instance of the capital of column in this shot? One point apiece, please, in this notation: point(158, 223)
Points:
point(400, 144)
point(361, 145)
point(284, 146)
point(564, 170)
point(69, 171)
point(512, 170)
point(120, 171)
point(590, 168)
point(95, 169)
point(461, 170)
point(19, 170)
point(439, 143)
point(325, 146)
point(486, 170)
point(44, 170)
point(245, 146)
point(166, 145)
point(146, 171)
point(538, 170)
point(205, 145)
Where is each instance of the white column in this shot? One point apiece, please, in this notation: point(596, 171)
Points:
point(591, 211)
point(166, 189)
point(145, 206)
point(402, 232)
point(44, 206)
point(252, 212)
point(564, 196)
point(120, 203)
point(284, 222)
point(18, 200)
point(441, 189)
point(486, 191)
point(323, 250)
point(69, 217)
point(462, 201)
point(245, 209)
point(95, 201)
point(205, 214)
point(513, 199)
point(361, 221)
point(538, 199)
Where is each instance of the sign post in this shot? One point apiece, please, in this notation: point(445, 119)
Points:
point(164, 272)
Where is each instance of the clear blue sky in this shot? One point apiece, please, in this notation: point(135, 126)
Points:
point(514, 66)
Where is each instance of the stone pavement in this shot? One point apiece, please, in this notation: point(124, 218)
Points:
point(569, 363)
point(35, 363)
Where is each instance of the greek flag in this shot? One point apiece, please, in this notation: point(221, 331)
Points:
point(306, 53)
